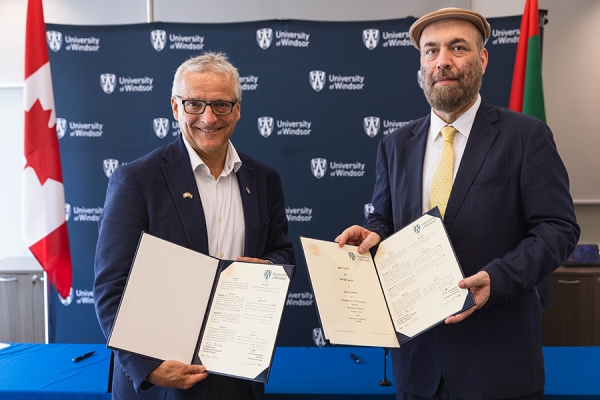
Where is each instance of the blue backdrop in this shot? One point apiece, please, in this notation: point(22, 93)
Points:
point(317, 98)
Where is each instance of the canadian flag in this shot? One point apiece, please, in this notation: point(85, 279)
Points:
point(43, 224)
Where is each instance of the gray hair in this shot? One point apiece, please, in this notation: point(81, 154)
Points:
point(210, 62)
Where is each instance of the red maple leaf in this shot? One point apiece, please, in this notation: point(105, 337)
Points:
point(41, 144)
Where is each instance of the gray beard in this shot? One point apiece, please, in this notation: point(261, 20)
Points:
point(450, 99)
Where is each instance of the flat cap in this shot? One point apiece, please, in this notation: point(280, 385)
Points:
point(448, 13)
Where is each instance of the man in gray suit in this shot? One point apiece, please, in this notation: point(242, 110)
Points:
point(508, 213)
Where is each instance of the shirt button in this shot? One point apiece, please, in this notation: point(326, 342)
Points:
point(222, 255)
point(220, 220)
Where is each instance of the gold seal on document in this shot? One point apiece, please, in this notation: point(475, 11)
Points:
point(380, 251)
point(315, 249)
point(230, 271)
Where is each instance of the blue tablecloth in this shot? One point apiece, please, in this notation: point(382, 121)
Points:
point(46, 372)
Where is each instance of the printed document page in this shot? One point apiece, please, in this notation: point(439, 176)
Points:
point(240, 334)
point(419, 274)
point(348, 295)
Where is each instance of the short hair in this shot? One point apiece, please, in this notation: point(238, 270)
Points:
point(210, 62)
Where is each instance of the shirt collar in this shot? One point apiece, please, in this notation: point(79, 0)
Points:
point(232, 160)
point(463, 124)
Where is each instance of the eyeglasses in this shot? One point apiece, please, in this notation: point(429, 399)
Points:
point(219, 107)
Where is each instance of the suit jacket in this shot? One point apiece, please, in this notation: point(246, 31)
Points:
point(510, 214)
point(147, 195)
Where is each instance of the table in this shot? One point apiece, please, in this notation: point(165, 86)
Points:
point(46, 372)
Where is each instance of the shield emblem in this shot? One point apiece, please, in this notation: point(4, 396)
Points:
point(67, 211)
point(368, 209)
point(317, 335)
point(264, 37)
point(158, 38)
point(110, 165)
point(317, 80)
point(370, 38)
point(161, 127)
point(267, 273)
point(265, 126)
point(108, 82)
point(61, 127)
point(318, 167)
point(67, 300)
point(54, 40)
point(371, 125)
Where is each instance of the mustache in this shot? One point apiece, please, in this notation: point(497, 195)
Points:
point(445, 73)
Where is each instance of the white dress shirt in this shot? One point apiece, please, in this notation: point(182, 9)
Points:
point(222, 204)
point(435, 143)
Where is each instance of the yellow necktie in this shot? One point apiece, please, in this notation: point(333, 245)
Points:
point(441, 185)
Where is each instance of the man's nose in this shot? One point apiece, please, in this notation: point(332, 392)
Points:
point(444, 60)
point(208, 117)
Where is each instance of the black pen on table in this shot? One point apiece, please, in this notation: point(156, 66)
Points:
point(82, 357)
point(355, 358)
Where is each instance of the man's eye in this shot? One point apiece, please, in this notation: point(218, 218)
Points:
point(194, 103)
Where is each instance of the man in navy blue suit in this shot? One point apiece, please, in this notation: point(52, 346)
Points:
point(200, 193)
point(509, 215)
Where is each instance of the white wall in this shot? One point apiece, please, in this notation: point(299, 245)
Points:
point(570, 65)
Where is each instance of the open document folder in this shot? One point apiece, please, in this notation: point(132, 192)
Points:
point(182, 305)
point(409, 286)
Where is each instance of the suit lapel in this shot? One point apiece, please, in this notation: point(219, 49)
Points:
point(246, 177)
point(480, 141)
point(415, 154)
point(180, 179)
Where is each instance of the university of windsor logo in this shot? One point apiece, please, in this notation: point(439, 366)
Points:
point(318, 167)
point(371, 125)
point(159, 39)
point(317, 80)
point(417, 228)
point(318, 338)
point(265, 126)
point(110, 165)
point(108, 82)
point(267, 274)
point(67, 211)
point(368, 209)
point(54, 40)
point(61, 127)
point(370, 38)
point(264, 37)
point(161, 127)
point(67, 300)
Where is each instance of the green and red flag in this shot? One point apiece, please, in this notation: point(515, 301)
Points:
point(527, 93)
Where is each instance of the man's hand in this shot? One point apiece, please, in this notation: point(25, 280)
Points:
point(175, 374)
point(479, 284)
point(253, 260)
point(358, 236)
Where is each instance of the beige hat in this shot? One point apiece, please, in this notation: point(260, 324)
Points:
point(448, 13)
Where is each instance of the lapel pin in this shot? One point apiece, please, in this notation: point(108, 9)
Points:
point(187, 195)
point(248, 190)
